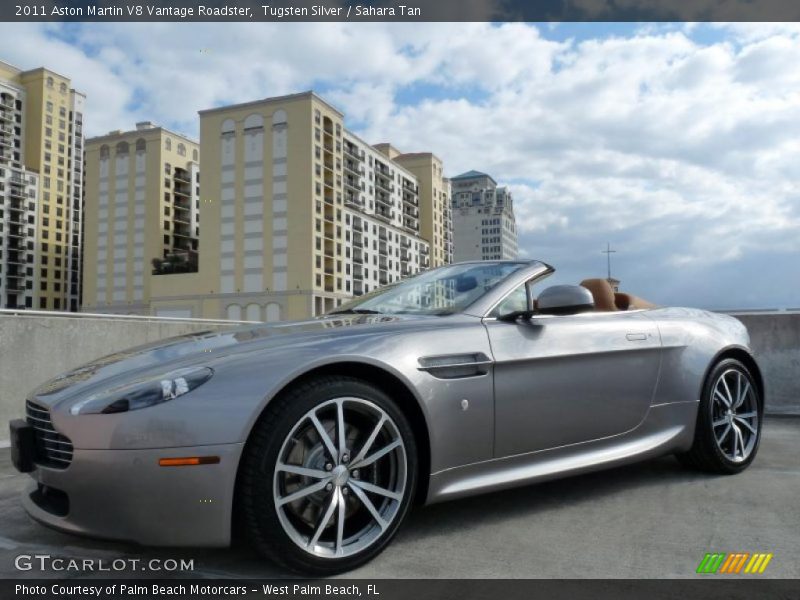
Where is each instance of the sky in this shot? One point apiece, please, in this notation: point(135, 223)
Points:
point(678, 144)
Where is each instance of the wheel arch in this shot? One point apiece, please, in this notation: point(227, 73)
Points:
point(744, 356)
point(387, 382)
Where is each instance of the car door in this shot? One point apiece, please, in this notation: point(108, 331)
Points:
point(569, 379)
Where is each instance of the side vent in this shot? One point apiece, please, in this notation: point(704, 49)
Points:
point(456, 366)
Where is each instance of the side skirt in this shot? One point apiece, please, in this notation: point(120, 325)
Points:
point(667, 428)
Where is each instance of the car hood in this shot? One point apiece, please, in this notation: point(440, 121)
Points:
point(208, 346)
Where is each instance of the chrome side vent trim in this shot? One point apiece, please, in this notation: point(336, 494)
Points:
point(53, 449)
point(456, 366)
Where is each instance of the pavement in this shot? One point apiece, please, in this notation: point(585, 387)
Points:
point(650, 520)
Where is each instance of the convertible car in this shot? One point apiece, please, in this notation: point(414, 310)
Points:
point(313, 438)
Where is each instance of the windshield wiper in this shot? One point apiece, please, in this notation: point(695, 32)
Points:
point(355, 311)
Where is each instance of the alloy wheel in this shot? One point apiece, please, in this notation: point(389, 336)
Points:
point(340, 477)
point(734, 415)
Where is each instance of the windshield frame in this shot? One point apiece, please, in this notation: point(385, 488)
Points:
point(477, 307)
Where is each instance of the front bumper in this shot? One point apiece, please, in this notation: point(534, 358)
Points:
point(126, 495)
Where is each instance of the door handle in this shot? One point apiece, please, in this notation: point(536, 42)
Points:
point(636, 337)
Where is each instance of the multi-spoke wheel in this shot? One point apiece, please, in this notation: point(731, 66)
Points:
point(729, 420)
point(328, 475)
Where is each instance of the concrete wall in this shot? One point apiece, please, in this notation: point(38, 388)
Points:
point(775, 338)
point(35, 347)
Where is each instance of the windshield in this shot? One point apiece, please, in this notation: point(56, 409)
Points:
point(442, 291)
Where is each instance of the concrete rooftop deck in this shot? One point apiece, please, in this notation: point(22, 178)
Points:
point(651, 520)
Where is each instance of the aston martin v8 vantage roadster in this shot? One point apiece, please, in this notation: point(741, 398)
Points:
point(314, 438)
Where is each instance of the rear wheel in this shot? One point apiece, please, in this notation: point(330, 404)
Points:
point(328, 476)
point(728, 430)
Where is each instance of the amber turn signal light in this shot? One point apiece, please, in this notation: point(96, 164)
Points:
point(188, 461)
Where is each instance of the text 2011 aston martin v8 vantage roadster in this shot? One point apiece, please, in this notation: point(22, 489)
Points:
point(315, 437)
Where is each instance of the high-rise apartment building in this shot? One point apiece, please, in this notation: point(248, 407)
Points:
point(484, 227)
point(299, 215)
point(436, 224)
point(41, 189)
point(142, 215)
point(382, 219)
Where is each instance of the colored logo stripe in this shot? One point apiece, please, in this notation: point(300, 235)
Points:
point(758, 563)
point(710, 563)
point(733, 563)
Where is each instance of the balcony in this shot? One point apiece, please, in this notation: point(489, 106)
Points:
point(352, 152)
point(353, 184)
point(181, 261)
point(410, 199)
point(182, 190)
point(381, 183)
point(384, 215)
point(354, 168)
point(183, 176)
point(383, 199)
point(183, 231)
point(181, 203)
point(411, 225)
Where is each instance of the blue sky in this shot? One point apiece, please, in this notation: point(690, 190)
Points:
point(677, 143)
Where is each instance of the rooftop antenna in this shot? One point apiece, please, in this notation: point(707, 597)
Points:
point(608, 252)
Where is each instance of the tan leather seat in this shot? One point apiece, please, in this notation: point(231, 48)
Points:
point(603, 294)
point(630, 302)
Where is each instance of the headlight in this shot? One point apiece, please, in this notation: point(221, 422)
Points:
point(144, 393)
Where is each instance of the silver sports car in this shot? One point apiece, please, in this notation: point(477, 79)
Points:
point(314, 438)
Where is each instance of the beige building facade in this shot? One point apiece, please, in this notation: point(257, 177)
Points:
point(436, 224)
point(299, 215)
point(142, 215)
point(41, 189)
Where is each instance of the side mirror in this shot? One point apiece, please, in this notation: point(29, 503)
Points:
point(564, 300)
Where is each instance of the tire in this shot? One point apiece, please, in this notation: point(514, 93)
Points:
point(726, 443)
point(304, 534)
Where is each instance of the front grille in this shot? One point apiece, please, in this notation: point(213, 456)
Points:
point(52, 448)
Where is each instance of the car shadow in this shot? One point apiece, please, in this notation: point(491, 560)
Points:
point(527, 501)
point(424, 522)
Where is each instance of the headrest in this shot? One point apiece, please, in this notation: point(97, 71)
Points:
point(602, 292)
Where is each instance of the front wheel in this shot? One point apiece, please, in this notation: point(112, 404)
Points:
point(728, 430)
point(328, 476)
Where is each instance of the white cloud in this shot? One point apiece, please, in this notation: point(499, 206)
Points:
point(682, 153)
